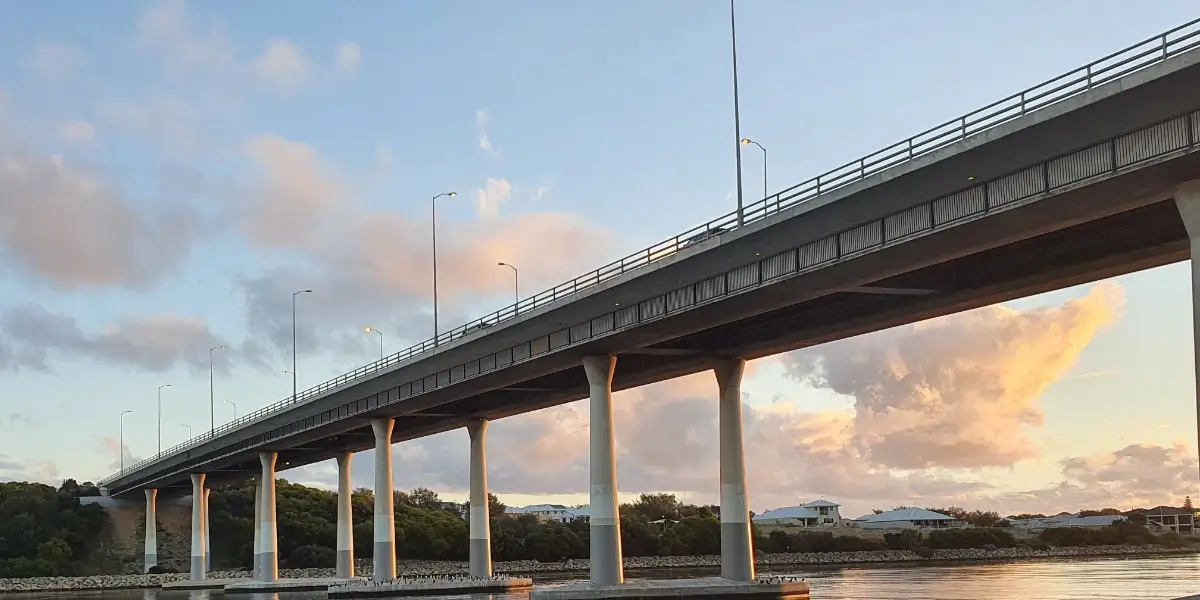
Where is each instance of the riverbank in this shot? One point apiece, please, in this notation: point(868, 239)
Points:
point(414, 568)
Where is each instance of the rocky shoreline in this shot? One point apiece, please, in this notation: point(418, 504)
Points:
point(418, 568)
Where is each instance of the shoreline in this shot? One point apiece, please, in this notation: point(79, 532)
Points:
point(765, 562)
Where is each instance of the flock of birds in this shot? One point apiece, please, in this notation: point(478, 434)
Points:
point(780, 579)
point(424, 580)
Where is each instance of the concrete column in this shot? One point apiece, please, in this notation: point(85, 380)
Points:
point(737, 550)
point(151, 529)
point(207, 533)
point(385, 517)
point(1187, 201)
point(345, 519)
point(256, 558)
point(268, 563)
point(481, 536)
point(197, 569)
point(607, 565)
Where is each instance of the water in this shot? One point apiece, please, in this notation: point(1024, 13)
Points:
point(1098, 579)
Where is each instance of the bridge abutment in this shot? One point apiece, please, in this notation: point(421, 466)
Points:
point(385, 518)
point(256, 558)
point(605, 558)
point(197, 564)
point(737, 550)
point(480, 564)
point(1187, 201)
point(345, 519)
point(268, 569)
point(151, 545)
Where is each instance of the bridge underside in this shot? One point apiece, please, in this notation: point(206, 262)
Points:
point(1135, 227)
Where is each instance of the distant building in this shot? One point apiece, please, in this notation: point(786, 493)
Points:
point(1042, 523)
point(550, 512)
point(908, 518)
point(1170, 518)
point(818, 513)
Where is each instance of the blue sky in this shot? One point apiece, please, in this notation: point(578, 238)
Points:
point(188, 165)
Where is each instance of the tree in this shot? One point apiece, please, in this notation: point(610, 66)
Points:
point(1187, 503)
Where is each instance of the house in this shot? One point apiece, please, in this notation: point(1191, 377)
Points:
point(818, 513)
point(550, 512)
point(1169, 518)
point(1039, 524)
point(908, 518)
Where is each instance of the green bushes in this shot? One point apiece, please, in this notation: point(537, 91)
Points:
point(46, 532)
point(962, 539)
point(1121, 532)
point(312, 557)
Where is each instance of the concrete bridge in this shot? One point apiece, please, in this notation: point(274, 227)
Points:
point(1084, 177)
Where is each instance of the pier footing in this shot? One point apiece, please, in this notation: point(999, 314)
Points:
point(423, 586)
point(314, 584)
point(708, 588)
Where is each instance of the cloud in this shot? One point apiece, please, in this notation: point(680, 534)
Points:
point(77, 132)
point(148, 343)
point(485, 143)
point(49, 211)
point(374, 268)
point(383, 159)
point(166, 30)
point(167, 119)
point(112, 448)
point(489, 198)
point(54, 60)
point(281, 65)
point(347, 57)
point(39, 471)
point(957, 391)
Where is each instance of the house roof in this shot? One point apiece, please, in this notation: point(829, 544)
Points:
point(788, 512)
point(908, 514)
point(819, 503)
point(1164, 510)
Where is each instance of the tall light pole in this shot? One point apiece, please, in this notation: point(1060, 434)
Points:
point(433, 222)
point(373, 330)
point(234, 405)
point(160, 389)
point(189, 428)
point(294, 294)
point(737, 118)
point(516, 283)
point(212, 410)
point(121, 450)
point(764, 150)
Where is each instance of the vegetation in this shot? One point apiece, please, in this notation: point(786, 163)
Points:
point(45, 532)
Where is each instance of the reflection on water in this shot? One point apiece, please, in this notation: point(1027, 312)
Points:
point(1098, 579)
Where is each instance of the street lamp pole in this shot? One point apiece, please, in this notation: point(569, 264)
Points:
point(764, 151)
point(121, 450)
point(189, 428)
point(373, 330)
point(212, 410)
point(294, 294)
point(160, 389)
point(234, 405)
point(433, 227)
point(516, 283)
point(737, 118)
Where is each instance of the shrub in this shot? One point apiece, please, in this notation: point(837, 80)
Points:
point(903, 540)
point(960, 539)
point(1171, 539)
point(159, 570)
point(312, 557)
point(924, 552)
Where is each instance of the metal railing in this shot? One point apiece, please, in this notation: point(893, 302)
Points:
point(1118, 64)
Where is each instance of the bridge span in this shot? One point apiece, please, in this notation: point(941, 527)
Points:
point(1087, 176)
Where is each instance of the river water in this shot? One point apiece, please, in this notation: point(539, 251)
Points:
point(1165, 578)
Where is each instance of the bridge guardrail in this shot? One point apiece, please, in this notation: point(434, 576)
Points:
point(1147, 53)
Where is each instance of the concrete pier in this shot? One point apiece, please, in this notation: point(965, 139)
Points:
point(427, 586)
point(268, 564)
point(606, 562)
point(207, 534)
point(345, 519)
point(737, 549)
point(151, 545)
point(480, 564)
point(385, 517)
point(257, 556)
point(197, 565)
point(708, 588)
point(1187, 202)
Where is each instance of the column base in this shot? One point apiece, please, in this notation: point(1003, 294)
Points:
point(151, 561)
point(480, 564)
point(385, 561)
point(268, 566)
point(197, 571)
point(605, 555)
point(737, 553)
point(345, 564)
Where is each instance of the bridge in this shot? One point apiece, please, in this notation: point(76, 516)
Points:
point(1087, 176)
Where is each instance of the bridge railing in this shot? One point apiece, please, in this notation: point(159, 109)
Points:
point(1138, 56)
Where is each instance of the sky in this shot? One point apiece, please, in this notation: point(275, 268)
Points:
point(170, 172)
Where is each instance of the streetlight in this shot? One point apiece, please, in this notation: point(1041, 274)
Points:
point(160, 389)
point(760, 147)
point(433, 214)
point(294, 294)
point(212, 410)
point(189, 428)
point(234, 405)
point(516, 289)
point(121, 450)
point(737, 117)
point(373, 330)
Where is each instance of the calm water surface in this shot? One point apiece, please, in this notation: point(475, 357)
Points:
point(1099, 579)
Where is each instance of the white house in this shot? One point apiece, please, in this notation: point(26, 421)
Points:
point(818, 513)
point(550, 512)
point(908, 518)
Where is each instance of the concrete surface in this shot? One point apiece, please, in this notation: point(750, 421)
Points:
point(315, 584)
point(708, 587)
point(428, 586)
point(204, 584)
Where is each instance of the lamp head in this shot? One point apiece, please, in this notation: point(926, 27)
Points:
point(747, 141)
point(452, 194)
